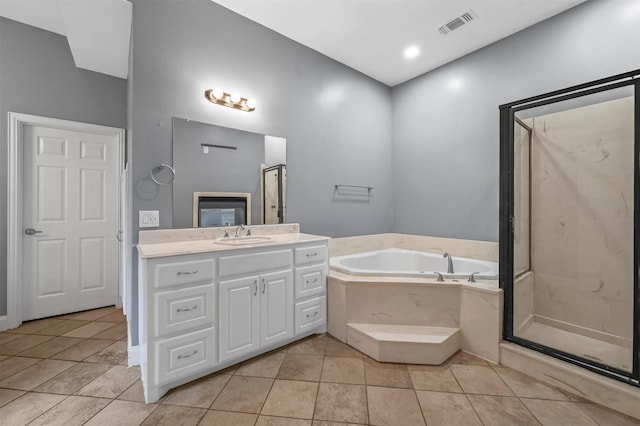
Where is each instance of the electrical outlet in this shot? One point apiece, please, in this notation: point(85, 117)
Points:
point(149, 219)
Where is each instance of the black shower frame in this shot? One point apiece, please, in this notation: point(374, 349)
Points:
point(506, 278)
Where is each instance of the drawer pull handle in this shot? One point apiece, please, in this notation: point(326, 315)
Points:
point(312, 315)
point(188, 356)
point(313, 281)
point(312, 254)
point(264, 285)
point(195, 271)
point(193, 308)
point(255, 291)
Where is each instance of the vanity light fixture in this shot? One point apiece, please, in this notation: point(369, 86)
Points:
point(231, 100)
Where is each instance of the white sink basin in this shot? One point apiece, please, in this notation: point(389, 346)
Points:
point(243, 241)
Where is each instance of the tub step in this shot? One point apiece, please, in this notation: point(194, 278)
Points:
point(409, 344)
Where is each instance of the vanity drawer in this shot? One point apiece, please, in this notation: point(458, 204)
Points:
point(245, 264)
point(185, 271)
point(310, 314)
point(315, 254)
point(310, 281)
point(180, 310)
point(184, 355)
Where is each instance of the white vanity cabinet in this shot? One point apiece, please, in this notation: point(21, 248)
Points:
point(199, 313)
point(256, 301)
point(255, 311)
point(310, 287)
point(177, 319)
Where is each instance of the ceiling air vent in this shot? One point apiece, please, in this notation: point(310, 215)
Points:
point(459, 21)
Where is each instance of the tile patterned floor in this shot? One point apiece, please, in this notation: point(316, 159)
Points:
point(71, 370)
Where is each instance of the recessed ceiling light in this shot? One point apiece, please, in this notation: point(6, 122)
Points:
point(411, 52)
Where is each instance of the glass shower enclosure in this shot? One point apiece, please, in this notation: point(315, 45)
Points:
point(569, 224)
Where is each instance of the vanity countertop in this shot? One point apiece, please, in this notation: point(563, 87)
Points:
point(176, 248)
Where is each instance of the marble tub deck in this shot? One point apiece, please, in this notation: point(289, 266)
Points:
point(477, 308)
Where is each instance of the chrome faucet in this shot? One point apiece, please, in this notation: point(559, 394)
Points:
point(226, 231)
point(239, 230)
point(449, 263)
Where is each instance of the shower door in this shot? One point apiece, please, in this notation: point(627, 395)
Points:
point(273, 193)
point(569, 224)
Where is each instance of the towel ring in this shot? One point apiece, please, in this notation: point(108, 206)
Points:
point(160, 167)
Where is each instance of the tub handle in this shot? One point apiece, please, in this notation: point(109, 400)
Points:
point(472, 278)
point(439, 277)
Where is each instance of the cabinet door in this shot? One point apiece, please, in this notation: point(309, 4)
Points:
point(311, 314)
point(184, 355)
point(310, 281)
point(239, 321)
point(276, 307)
point(184, 309)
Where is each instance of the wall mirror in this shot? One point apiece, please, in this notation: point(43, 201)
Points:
point(218, 162)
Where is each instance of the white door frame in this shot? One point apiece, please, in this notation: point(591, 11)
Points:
point(15, 190)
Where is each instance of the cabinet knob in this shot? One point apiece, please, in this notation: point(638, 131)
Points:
point(189, 355)
point(195, 271)
point(193, 308)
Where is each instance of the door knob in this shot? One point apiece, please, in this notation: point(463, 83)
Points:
point(31, 231)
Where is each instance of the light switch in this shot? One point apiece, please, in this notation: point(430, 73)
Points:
point(149, 219)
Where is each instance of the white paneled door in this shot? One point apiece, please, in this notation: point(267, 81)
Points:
point(70, 218)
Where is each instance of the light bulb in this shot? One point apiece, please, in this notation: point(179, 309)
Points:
point(235, 98)
point(251, 103)
point(217, 93)
point(411, 52)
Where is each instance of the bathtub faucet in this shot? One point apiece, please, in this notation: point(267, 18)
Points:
point(449, 263)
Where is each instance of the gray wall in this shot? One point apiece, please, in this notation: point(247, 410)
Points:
point(337, 122)
point(446, 152)
point(220, 170)
point(38, 76)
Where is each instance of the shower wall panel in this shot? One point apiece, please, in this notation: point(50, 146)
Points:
point(582, 217)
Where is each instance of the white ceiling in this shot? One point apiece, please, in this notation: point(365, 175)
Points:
point(367, 35)
point(98, 31)
point(371, 35)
